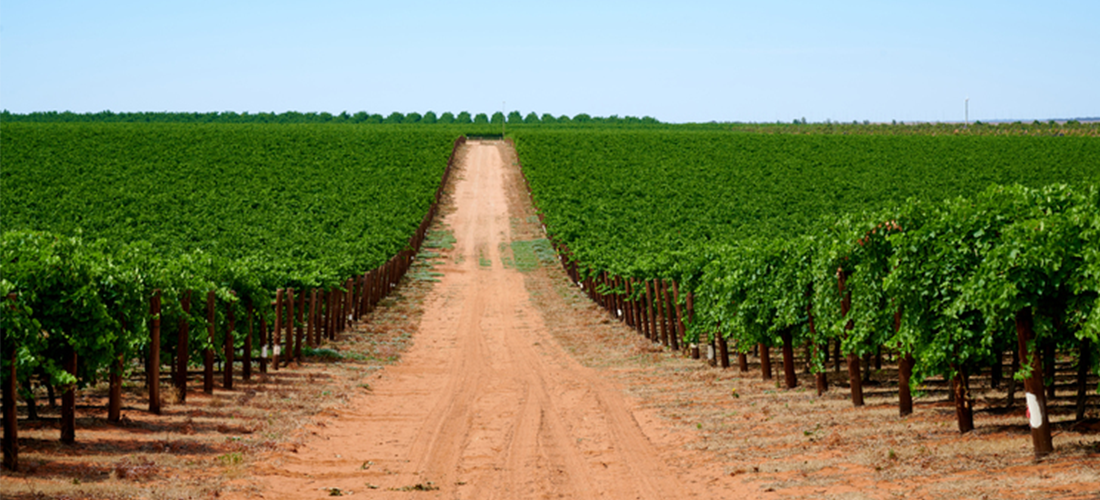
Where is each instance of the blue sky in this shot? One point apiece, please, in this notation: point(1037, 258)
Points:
point(676, 61)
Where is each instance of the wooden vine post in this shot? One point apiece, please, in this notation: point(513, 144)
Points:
point(324, 311)
point(265, 343)
point(298, 332)
point(182, 353)
point(153, 380)
point(613, 295)
point(230, 345)
point(691, 317)
point(853, 358)
point(341, 305)
point(68, 398)
point(312, 318)
point(821, 379)
point(208, 353)
point(330, 315)
point(345, 300)
point(616, 304)
point(318, 315)
point(679, 316)
point(788, 359)
point(605, 298)
point(289, 344)
point(277, 330)
point(114, 392)
point(671, 308)
point(364, 307)
point(246, 363)
point(652, 333)
point(765, 361)
point(722, 352)
point(334, 313)
point(620, 299)
point(964, 409)
point(628, 305)
point(905, 372)
point(375, 289)
point(359, 308)
point(636, 306)
point(11, 429)
point(1037, 416)
point(659, 310)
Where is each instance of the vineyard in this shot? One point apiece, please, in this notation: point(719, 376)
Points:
point(139, 242)
point(226, 235)
point(949, 252)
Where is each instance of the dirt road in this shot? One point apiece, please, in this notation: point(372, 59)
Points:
point(486, 404)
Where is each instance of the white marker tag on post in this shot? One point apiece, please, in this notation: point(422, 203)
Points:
point(1034, 412)
point(710, 352)
point(277, 350)
point(263, 352)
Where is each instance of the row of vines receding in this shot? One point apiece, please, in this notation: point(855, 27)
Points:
point(949, 286)
point(96, 297)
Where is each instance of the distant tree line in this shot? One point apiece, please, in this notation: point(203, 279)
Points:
point(430, 117)
point(516, 118)
point(801, 126)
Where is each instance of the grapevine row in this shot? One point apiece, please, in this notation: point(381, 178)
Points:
point(77, 310)
point(948, 284)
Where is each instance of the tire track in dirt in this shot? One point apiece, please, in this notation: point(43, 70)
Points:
point(486, 404)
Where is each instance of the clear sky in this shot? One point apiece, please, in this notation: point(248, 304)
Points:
point(676, 61)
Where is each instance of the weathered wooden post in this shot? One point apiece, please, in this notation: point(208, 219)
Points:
point(679, 337)
point(298, 327)
point(246, 363)
point(11, 427)
point(789, 375)
point(723, 351)
point(853, 359)
point(1033, 385)
point(312, 318)
point(230, 346)
point(208, 353)
point(649, 296)
point(114, 391)
point(765, 361)
point(182, 349)
point(68, 398)
point(277, 331)
point(265, 344)
point(289, 344)
point(153, 375)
